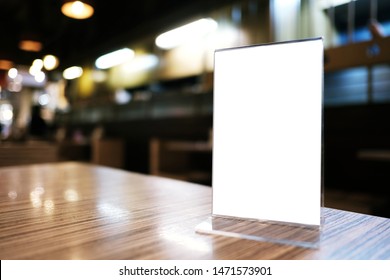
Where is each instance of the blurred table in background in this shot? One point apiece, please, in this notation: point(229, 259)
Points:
point(183, 160)
point(107, 152)
point(82, 211)
point(28, 152)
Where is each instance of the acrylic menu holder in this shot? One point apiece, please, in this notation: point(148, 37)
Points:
point(267, 143)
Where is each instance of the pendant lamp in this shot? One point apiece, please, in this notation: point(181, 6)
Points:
point(77, 9)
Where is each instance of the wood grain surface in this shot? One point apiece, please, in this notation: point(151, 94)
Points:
point(82, 211)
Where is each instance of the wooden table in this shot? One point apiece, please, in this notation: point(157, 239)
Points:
point(82, 211)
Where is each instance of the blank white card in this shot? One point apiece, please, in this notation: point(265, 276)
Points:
point(267, 132)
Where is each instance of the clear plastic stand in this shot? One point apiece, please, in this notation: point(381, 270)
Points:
point(267, 143)
point(266, 231)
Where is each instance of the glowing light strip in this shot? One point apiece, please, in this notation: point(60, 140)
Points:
point(72, 72)
point(185, 33)
point(114, 58)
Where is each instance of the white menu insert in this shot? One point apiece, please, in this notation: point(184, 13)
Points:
point(268, 132)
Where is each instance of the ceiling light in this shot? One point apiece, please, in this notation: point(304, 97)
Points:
point(12, 73)
point(77, 9)
point(33, 70)
point(30, 45)
point(50, 62)
point(72, 72)
point(185, 33)
point(114, 58)
point(36, 67)
point(40, 77)
point(6, 64)
point(38, 63)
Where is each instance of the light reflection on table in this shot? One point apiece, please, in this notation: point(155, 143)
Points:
point(82, 211)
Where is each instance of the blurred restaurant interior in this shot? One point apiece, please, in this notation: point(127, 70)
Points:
point(131, 86)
